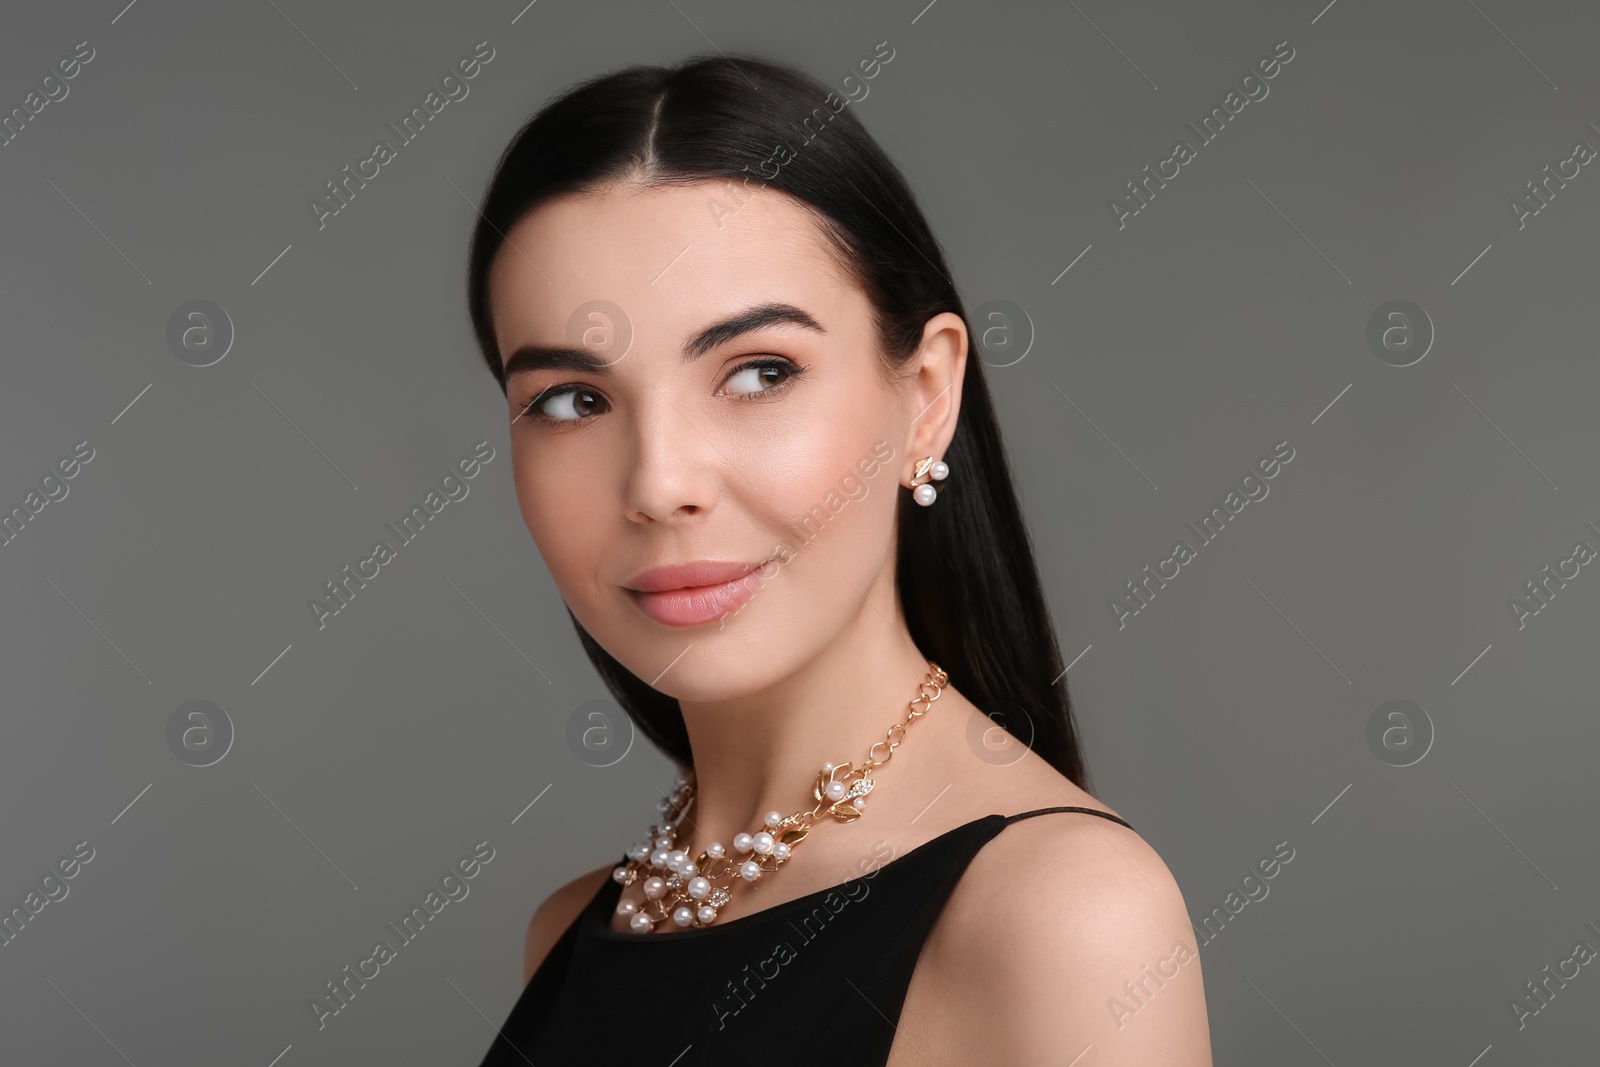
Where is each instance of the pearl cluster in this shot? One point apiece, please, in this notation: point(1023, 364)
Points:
point(670, 873)
point(925, 493)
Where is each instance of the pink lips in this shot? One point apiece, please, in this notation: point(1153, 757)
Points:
point(694, 593)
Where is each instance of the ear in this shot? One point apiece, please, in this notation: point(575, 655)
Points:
point(935, 374)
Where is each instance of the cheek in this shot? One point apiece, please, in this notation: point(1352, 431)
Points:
point(822, 446)
point(839, 548)
point(558, 506)
point(840, 521)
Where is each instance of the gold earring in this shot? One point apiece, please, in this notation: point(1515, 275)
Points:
point(927, 467)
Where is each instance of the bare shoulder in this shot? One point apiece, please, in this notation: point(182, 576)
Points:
point(1068, 931)
point(551, 919)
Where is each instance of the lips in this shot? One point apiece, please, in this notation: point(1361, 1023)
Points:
point(695, 593)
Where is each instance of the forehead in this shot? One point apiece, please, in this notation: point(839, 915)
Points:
point(661, 256)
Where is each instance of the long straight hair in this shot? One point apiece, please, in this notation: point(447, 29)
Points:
point(965, 568)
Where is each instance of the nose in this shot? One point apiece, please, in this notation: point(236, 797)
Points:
point(675, 476)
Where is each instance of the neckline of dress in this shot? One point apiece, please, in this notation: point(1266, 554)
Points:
point(597, 917)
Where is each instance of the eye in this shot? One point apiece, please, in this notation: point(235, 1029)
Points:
point(767, 375)
point(565, 403)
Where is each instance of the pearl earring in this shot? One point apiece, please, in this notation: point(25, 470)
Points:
point(922, 491)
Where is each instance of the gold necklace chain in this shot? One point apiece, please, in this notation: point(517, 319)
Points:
point(690, 890)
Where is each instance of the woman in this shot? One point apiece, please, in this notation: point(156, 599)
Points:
point(755, 449)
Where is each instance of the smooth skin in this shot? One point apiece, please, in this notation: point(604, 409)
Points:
point(653, 459)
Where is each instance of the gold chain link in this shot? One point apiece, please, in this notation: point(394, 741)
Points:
point(936, 682)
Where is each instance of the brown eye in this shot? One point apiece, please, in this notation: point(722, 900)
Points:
point(761, 376)
point(571, 403)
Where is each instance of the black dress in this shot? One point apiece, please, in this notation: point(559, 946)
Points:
point(819, 979)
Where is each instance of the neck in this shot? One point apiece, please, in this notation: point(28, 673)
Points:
point(762, 752)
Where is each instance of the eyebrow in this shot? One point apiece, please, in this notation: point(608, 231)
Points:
point(529, 358)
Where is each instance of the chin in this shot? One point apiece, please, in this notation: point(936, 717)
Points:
point(715, 662)
point(715, 681)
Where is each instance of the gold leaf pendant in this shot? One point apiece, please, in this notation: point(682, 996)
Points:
point(844, 810)
point(824, 777)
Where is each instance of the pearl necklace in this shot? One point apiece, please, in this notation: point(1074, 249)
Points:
point(691, 889)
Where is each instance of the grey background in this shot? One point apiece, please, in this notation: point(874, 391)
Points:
point(1227, 316)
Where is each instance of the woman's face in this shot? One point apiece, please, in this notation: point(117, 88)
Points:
point(691, 378)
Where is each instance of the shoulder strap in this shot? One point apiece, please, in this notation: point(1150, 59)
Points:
point(1086, 811)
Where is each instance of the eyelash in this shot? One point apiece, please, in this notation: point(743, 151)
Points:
point(793, 369)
